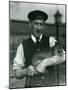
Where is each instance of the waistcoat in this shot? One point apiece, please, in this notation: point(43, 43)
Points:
point(30, 48)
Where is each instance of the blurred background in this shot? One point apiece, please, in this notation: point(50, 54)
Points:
point(19, 30)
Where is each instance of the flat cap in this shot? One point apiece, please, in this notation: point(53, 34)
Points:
point(37, 14)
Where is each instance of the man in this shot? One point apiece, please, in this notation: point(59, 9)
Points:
point(22, 64)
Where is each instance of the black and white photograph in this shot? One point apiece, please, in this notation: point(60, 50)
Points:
point(37, 44)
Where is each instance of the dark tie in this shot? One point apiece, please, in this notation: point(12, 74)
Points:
point(37, 41)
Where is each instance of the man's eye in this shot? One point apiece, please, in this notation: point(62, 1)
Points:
point(42, 24)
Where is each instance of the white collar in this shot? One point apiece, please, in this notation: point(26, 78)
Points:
point(34, 38)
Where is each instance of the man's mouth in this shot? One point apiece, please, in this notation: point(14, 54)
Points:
point(38, 32)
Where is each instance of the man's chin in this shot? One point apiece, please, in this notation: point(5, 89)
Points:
point(37, 35)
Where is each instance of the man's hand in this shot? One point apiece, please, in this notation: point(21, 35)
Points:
point(40, 67)
point(30, 71)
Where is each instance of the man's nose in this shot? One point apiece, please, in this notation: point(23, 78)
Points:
point(38, 26)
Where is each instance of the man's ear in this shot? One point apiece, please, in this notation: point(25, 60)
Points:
point(30, 24)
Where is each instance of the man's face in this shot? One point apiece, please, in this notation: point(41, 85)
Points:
point(37, 26)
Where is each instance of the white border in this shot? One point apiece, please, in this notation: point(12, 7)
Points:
point(4, 42)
